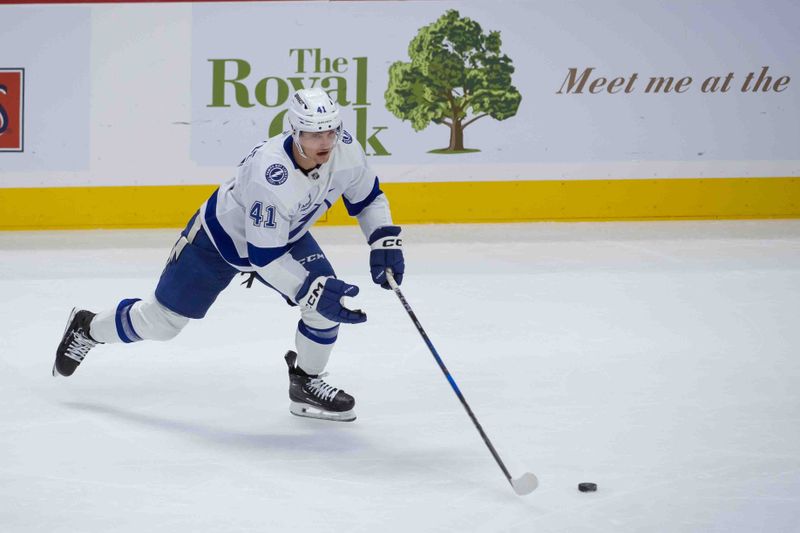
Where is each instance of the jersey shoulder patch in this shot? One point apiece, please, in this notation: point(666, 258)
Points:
point(346, 137)
point(276, 174)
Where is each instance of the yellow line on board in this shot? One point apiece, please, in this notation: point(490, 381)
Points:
point(446, 202)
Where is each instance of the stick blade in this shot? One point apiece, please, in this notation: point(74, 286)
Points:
point(525, 484)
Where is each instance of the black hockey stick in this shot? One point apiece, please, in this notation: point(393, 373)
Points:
point(527, 482)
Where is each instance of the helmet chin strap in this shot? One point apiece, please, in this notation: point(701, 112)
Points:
point(296, 139)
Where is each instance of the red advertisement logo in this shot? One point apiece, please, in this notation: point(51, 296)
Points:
point(12, 87)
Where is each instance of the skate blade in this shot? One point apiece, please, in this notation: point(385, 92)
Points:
point(309, 411)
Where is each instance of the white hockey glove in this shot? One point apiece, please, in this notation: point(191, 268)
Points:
point(324, 294)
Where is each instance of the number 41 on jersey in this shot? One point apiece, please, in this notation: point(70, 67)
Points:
point(268, 216)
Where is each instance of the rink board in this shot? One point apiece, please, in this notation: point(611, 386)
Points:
point(164, 99)
point(446, 202)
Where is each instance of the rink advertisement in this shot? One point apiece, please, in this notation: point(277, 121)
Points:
point(44, 93)
point(528, 91)
point(12, 109)
point(466, 110)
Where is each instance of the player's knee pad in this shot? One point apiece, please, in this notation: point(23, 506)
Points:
point(151, 320)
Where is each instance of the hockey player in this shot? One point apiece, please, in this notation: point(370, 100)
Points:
point(259, 222)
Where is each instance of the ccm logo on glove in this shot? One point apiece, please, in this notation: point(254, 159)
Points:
point(387, 252)
point(389, 242)
point(314, 296)
point(324, 295)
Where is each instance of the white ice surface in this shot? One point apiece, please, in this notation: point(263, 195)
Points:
point(659, 360)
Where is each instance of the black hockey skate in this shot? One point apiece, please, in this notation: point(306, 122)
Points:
point(313, 398)
point(75, 343)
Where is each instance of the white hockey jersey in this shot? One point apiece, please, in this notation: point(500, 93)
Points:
point(255, 217)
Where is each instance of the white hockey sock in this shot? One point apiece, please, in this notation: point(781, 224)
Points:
point(134, 320)
point(314, 347)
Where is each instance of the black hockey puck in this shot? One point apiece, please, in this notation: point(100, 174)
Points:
point(587, 487)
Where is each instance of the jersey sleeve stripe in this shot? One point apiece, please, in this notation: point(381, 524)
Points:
point(261, 257)
point(354, 208)
point(223, 241)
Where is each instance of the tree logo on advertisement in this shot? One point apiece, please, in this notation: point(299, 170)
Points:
point(344, 79)
point(457, 75)
point(12, 89)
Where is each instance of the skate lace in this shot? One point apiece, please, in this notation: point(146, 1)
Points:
point(320, 389)
point(79, 346)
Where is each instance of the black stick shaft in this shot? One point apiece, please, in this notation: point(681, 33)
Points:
point(446, 373)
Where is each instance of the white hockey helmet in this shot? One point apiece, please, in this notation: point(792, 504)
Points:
point(312, 110)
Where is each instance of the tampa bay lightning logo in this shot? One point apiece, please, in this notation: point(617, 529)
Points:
point(346, 137)
point(305, 205)
point(277, 174)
